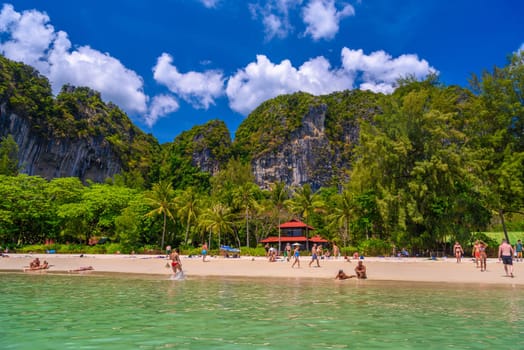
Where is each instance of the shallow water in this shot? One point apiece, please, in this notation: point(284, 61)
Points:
point(90, 311)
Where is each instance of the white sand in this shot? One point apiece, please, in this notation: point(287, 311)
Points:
point(385, 269)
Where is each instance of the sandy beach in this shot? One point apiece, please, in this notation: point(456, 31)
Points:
point(379, 269)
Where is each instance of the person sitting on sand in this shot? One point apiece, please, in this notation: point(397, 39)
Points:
point(341, 275)
point(360, 270)
point(34, 264)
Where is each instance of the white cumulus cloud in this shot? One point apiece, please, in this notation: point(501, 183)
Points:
point(199, 89)
point(379, 71)
point(29, 34)
point(28, 37)
point(263, 79)
point(275, 16)
point(101, 72)
point(161, 105)
point(323, 19)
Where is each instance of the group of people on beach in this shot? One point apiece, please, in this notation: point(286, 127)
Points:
point(36, 265)
point(360, 272)
point(506, 253)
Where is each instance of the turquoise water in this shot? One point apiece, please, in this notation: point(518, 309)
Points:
point(46, 311)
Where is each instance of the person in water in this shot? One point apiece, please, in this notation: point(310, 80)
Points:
point(360, 270)
point(176, 264)
point(341, 275)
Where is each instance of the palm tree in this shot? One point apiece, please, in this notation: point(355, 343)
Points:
point(187, 205)
point(279, 195)
point(245, 197)
point(160, 198)
point(217, 219)
point(303, 203)
point(342, 212)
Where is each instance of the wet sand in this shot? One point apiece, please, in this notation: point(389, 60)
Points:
point(379, 269)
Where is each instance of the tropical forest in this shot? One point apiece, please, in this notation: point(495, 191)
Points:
point(419, 169)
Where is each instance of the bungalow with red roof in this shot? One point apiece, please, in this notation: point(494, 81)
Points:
point(294, 231)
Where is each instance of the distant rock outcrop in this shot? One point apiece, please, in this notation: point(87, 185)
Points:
point(300, 138)
point(86, 158)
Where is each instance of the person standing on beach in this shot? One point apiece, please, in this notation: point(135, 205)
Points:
point(296, 255)
point(314, 255)
point(457, 249)
point(288, 251)
point(336, 251)
point(506, 255)
point(518, 250)
point(476, 252)
point(204, 251)
point(483, 255)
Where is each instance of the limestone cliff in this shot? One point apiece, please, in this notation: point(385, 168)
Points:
point(87, 158)
point(300, 138)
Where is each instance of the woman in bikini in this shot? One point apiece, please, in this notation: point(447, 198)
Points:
point(176, 265)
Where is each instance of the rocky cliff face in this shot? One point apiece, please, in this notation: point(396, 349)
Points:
point(308, 155)
point(90, 158)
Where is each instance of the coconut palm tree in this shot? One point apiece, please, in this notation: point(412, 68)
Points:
point(342, 213)
point(188, 207)
point(160, 198)
point(279, 194)
point(303, 203)
point(218, 220)
point(245, 197)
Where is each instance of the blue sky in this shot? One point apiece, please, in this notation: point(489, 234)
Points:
point(174, 64)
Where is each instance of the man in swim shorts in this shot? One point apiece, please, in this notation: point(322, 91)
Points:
point(506, 256)
point(314, 255)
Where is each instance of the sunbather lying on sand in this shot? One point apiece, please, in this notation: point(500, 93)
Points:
point(82, 268)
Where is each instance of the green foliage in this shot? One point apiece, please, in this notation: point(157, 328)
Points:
point(417, 168)
point(8, 156)
point(375, 247)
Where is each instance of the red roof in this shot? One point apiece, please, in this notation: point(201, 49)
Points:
point(285, 239)
point(295, 224)
point(318, 239)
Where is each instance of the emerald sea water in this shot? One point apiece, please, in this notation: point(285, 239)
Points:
point(96, 311)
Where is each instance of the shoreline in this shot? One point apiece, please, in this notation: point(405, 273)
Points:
point(444, 270)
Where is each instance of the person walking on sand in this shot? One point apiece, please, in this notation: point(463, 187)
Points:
point(457, 249)
point(314, 255)
point(506, 255)
point(483, 255)
point(296, 256)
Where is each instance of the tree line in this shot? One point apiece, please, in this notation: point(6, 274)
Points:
point(434, 164)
